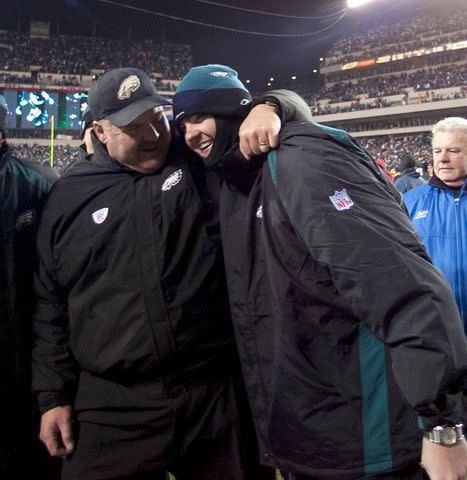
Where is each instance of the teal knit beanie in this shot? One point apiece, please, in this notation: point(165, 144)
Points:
point(211, 89)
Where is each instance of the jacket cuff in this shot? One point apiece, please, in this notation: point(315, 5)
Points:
point(270, 100)
point(456, 415)
point(49, 400)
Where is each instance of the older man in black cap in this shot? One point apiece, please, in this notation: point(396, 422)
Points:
point(133, 334)
point(23, 188)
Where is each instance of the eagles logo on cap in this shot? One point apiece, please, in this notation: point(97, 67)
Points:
point(128, 86)
point(123, 94)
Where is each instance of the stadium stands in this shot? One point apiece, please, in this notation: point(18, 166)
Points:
point(63, 54)
point(386, 85)
point(390, 84)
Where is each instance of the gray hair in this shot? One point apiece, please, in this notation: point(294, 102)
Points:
point(449, 124)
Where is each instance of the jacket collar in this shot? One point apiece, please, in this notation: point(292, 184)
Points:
point(436, 182)
point(410, 171)
point(101, 156)
point(238, 172)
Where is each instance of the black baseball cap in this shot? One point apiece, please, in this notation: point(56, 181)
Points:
point(121, 95)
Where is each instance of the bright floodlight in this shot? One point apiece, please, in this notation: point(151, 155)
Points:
point(356, 3)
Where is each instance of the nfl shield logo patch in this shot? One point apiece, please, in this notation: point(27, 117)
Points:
point(341, 200)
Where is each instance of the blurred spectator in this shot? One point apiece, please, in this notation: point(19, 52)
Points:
point(428, 171)
point(409, 177)
point(384, 167)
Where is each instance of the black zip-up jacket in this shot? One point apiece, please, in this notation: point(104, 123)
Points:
point(23, 188)
point(130, 282)
point(350, 340)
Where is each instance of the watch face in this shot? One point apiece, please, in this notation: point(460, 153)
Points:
point(448, 436)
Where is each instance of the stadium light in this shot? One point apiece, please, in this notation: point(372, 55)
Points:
point(247, 81)
point(357, 3)
point(271, 79)
point(293, 77)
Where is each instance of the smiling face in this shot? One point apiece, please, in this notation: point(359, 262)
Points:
point(450, 157)
point(199, 132)
point(142, 145)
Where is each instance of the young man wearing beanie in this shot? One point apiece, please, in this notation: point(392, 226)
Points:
point(134, 342)
point(336, 372)
point(23, 188)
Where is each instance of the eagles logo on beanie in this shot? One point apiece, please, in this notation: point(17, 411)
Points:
point(211, 89)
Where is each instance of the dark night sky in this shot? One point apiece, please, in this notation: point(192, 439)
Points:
point(255, 57)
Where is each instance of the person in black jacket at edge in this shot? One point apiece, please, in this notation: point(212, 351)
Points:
point(133, 335)
point(350, 340)
point(23, 188)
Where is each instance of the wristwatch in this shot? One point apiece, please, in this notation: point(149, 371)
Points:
point(446, 435)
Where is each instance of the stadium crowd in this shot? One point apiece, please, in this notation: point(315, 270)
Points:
point(40, 154)
point(357, 105)
point(391, 148)
point(63, 54)
point(407, 64)
point(411, 34)
point(425, 79)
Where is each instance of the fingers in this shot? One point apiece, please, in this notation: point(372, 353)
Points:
point(259, 132)
point(52, 439)
point(245, 149)
point(257, 142)
point(67, 438)
point(56, 431)
point(273, 138)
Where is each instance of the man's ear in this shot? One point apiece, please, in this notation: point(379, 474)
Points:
point(100, 132)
